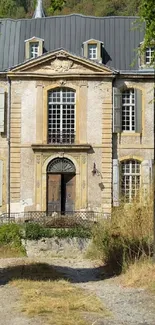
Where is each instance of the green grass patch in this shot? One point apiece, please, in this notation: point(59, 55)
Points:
point(8, 251)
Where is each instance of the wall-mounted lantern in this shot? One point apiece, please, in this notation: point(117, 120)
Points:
point(95, 171)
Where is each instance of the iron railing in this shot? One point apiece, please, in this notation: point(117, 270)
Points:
point(52, 219)
point(61, 137)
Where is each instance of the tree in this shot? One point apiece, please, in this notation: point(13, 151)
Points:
point(55, 5)
point(147, 14)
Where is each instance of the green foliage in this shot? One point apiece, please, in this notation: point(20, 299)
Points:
point(25, 8)
point(102, 8)
point(147, 14)
point(10, 238)
point(10, 234)
point(55, 5)
point(33, 231)
point(36, 231)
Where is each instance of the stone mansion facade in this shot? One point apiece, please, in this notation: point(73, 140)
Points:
point(76, 119)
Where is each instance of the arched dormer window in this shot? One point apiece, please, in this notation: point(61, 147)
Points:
point(130, 179)
point(61, 116)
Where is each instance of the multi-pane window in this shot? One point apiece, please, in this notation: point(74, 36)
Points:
point(128, 110)
point(149, 54)
point(34, 50)
point(130, 179)
point(92, 51)
point(61, 116)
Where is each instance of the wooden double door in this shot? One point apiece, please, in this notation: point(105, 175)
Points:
point(61, 192)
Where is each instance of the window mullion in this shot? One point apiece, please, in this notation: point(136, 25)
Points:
point(130, 118)
point(61, 115)
point(130, 110)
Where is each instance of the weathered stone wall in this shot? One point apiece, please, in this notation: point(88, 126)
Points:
point(99, 134)
point(50, 247)
point(29, 109)
point(138, 145)
point(93, 126)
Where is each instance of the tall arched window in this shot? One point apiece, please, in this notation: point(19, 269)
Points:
point(61, 116)
point(130, 179)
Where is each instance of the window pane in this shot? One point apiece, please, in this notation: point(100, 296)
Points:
point(92, 51)
point(130, 179)
point(149, 54)
point(128, 110)
point(61, 116)
point(34, 50)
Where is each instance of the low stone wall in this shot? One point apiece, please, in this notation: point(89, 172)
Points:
point(50, 247)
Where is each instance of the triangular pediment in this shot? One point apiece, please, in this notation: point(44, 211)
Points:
point(60, 62)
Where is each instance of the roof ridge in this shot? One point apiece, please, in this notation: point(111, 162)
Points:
point(73, 14)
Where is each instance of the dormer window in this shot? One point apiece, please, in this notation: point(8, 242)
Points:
point(149, 54)
point(33, 47)
point(146, 55)
point(92, 49)
point(34, 50)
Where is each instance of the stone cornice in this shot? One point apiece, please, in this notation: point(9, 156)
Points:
point(61, 147)
point(60, 75)
point(136, 76)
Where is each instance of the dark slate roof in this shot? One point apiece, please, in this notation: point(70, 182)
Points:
point(120, 36)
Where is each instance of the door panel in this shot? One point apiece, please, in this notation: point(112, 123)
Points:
point(54, 192)
point(70, 192)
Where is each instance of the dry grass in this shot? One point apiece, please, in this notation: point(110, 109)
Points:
point(61, 302)
point(7, 251)
point(134, 220)
point(57, 301)
point(140, 274)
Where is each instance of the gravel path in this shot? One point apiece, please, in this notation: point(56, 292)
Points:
point(128, 306)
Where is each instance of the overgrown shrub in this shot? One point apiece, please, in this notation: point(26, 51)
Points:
point(126, 236)
point(36, 231)
point(10, 238)
point(10, 233)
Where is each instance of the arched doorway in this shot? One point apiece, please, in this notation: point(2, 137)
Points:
point(61, 185)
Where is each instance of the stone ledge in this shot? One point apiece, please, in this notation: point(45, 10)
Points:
point(61, 147)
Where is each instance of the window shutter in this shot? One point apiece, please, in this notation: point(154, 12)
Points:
point(117, 108)
point(138, 110)
point(147, 173)
point(1, 180)
point(115, 182)
point(2, 94)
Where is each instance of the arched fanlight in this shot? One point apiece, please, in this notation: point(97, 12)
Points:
point(61, 165)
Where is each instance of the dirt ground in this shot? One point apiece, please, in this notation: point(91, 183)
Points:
point(128, 306)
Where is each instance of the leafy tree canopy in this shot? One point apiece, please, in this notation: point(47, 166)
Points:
point(147, 14)
point(25, 8)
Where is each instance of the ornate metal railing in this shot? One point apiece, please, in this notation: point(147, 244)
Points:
point(52, 219)
point(61, 138)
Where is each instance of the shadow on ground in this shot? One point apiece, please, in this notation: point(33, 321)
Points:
point(47, 272)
